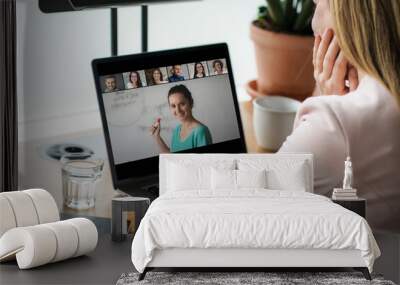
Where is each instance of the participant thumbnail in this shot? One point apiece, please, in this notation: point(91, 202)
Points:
point(177, 72)
point(112, 83)
point(217, 66)
point(156, 76)
point(198, 70)
point(134, 79)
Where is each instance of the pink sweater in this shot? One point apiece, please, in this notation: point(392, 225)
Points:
point(364, 124)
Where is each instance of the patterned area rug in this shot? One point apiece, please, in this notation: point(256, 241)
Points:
point(230, 278)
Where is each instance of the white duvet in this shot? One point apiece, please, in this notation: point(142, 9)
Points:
point(250, 219)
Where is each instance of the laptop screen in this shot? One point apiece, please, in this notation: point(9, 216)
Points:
point(172, 101)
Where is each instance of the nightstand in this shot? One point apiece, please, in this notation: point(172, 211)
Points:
point(358, 205)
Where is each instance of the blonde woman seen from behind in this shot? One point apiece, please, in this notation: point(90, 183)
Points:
point(357, 63)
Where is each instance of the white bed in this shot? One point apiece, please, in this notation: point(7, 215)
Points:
point(249, 227)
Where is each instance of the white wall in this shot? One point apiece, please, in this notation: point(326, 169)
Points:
point(56, 93)
point(197, 23)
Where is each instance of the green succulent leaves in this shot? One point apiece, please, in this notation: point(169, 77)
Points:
point(287, 16)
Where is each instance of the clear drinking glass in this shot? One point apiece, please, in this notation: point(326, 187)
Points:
point(80, 178)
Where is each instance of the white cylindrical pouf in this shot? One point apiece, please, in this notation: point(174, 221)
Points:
point(7, 218)
point(40, 244)
point(23, 208)
point(34, 246)
point(40, 247)
point(87, 235)
point(45, 205)
point(67, 239)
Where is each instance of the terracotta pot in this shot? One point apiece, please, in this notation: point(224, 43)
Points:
point(284, 63)
point(252, 89)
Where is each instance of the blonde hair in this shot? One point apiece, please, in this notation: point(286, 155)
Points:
point(368, 33)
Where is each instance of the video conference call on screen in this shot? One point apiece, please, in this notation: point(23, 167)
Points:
point(146, 109)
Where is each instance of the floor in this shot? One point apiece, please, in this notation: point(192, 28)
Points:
point(389, 263)
point(111, 259)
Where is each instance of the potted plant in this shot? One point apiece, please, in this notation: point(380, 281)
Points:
point(283, 41)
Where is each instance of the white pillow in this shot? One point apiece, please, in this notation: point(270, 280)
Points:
point(183, 178)
point(282, 174)
point(251, 179)
point(190, 174)
point(225, 179)
point(293, 179)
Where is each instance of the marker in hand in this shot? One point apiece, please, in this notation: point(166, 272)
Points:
point(156, 126)
point(157, 123)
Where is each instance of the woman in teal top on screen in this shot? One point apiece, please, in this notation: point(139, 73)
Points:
point(190, 133)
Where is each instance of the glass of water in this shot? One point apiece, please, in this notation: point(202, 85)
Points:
point(80, 178)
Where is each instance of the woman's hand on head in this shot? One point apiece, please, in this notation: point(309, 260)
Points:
point(331, 68)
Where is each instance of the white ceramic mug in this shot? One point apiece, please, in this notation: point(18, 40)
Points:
point(273, 118)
